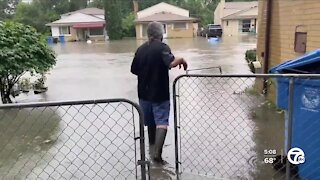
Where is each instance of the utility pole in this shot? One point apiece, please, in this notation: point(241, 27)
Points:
point(135, 7)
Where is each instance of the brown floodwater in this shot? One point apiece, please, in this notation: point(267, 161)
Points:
point(102, 70)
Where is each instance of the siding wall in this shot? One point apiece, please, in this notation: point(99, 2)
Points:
point(172, 33)
point(55, 31)
point(218, 13)
point(138, 31)
point(180, 33)
point(287, 17)
point(232, 28)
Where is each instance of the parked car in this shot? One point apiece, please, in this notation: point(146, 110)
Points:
point(212, 30)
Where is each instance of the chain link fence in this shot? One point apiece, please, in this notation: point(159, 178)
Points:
point(225, 129)
point(101, 139)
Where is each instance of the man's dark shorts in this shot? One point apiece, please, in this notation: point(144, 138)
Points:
point(155, 113)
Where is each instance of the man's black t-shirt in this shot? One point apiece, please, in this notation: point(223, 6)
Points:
point(151, 64)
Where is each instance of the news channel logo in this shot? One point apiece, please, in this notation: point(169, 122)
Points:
point(296, 156)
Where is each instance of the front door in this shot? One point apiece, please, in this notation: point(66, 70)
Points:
point(165, 31)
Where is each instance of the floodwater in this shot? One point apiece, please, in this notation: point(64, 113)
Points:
point(102, 70)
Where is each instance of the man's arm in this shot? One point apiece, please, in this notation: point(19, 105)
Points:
point(171, 61)
point(178, 62)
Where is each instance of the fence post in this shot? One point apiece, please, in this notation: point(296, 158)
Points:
point(290, 119)
point(176, 126)
point(142, 145)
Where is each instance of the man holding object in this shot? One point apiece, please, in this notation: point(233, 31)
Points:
point(151, 63)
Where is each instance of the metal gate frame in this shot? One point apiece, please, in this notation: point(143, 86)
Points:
point(140, 162)
point(265, 77)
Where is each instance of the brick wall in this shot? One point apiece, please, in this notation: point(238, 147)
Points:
point(288, 16)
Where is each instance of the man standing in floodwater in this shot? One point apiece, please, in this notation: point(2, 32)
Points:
point(151, 63)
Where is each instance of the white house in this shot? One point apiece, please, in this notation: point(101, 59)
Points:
point(237, 18)
point(80, 25)
point(26, 1)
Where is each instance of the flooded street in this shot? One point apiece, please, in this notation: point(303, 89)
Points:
point(102, 71)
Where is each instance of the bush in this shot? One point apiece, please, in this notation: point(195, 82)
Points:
point(21, 50)
point(128, 27)
point(251, 55)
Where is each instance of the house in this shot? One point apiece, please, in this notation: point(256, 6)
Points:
point(287, 29)
point(27, 1)
point(237, 18)
point(176, 21)
point(84, 24)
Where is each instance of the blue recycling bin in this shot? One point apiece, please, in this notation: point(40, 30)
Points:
point(307, 64)
point(306, 111)
point(61, 39)
point(50, 40)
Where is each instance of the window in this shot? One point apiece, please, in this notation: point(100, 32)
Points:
point(64, 30)
point(300, 45)
point(227, 23)
point(180, 26)
point(144, 30)
point(245, 25)
point(96, 32)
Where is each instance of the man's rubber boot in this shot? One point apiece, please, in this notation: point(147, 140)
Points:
point(152, 139)
point(160, 138)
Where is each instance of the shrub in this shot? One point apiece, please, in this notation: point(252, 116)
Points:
point(251, 55)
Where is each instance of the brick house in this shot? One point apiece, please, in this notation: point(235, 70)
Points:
point(287, 29)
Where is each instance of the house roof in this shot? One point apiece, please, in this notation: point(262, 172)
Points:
point(244, 14)
point(165, 16)
point(162, 3)
point(234, 8)
point(90, 11)
point(240, 5)
point(77, 18)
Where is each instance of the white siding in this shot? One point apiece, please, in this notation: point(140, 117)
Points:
point(160, 8)
point(195, 29)
point(219, 12)
point(55, 31)
point(231, 29)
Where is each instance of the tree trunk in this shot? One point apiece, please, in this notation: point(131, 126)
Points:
point(7, 98)
point(5, 89)
point(2, 91)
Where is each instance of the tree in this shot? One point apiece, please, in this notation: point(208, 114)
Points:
point(97, 4)
point(7, 8)
point(78, 4)
point(40, 12)
point(127, 26)
point(113, 18)
point(21, 50)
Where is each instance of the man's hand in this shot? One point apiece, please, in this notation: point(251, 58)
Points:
point(178, 62)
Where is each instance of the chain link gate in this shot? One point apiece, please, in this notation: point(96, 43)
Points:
point(224, 129)
point(98, 139)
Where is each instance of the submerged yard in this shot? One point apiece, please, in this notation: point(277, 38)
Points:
point(102, 70)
